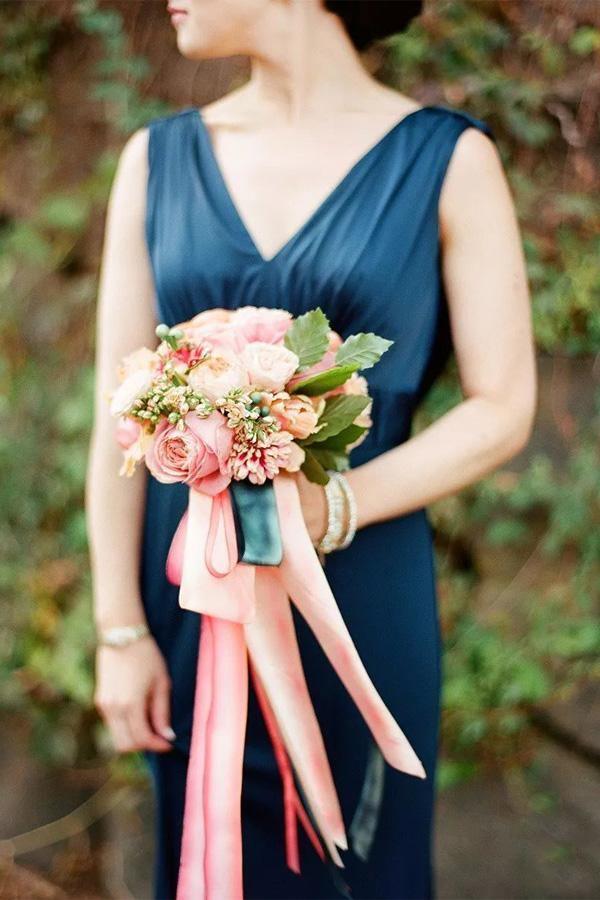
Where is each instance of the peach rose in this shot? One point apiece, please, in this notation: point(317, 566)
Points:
point(295, 414)
point(140, 360)
point(335, 340)
point(259, 323)
point(197, 455)
point(218, 374)
point(270, 366)
point(296, 458)
point(357, 385)
point(135, 386)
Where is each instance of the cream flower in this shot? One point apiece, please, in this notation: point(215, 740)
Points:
point(217, 374)
point(270, 366)
point(135, 386)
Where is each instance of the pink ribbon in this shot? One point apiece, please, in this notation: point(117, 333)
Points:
point(246, 613)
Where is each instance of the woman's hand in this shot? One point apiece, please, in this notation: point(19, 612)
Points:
point(314, 506)
point(133, 696)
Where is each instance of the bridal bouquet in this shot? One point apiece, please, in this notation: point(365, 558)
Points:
point(244, 395)
point(232, 403)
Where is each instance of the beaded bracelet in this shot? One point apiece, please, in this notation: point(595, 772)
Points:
point(122, 635)
point(341, 514)
point(351, 510)
point(334, 496)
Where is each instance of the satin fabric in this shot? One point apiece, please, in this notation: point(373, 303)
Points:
point(369, 255)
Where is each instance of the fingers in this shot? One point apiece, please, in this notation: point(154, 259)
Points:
point(129, 726)
point(120, 732)
point(160, 710)
point(143, 735)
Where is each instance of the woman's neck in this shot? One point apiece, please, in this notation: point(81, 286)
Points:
point(304, 64)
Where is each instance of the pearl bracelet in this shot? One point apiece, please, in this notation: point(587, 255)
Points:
point(352, 512)
point(341, 514)
point(122, 635)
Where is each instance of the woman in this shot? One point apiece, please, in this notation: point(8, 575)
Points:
point(311, 185)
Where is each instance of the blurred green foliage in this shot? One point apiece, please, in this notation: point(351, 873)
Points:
point(518, 553)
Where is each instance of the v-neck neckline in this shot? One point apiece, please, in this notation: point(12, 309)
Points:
point(318, 210)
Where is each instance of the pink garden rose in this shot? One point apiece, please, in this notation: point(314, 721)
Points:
point(259, 323)
point(217, 336)
point(209, 317)
point(127, 432)
point(197, 455)
point(270, 366)
point(218, 374)
point(295, 414)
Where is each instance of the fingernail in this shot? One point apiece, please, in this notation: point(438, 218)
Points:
point(168, 734)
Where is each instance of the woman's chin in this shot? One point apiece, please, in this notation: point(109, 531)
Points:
point(190, 46)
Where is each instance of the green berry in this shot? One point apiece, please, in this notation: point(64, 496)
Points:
point(265, 410)
point(161, 331)
point(256, 397)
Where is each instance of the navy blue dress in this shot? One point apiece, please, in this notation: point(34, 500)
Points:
point(369, 256)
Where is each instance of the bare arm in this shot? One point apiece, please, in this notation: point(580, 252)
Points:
point(486, 285)
point(131, 682)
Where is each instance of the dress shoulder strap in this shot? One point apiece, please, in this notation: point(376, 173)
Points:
point(432, 145)
point(169, 147)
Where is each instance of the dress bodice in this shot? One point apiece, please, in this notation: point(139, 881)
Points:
point(369, 254)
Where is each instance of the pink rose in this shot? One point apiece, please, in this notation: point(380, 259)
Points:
point(218, 374)
point(197, 455)
point(270, 366)
point(295, 414)
point(217, 335)
point(127, 432)
point(259, 323)
point(210, 316)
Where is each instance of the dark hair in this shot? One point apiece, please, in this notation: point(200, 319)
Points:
point(370, 20)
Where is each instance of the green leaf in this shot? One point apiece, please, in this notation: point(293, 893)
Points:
point(308, 337)
point(339, 413)
point(313, 469)
point(341, 440)
point(362, 350)
point(317, 384)
point(330, 459)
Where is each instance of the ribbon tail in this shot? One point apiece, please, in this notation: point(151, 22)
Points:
point(223, 768)
point(305, 582)
point(291, 801)
point(191, 882)
point(274, 653)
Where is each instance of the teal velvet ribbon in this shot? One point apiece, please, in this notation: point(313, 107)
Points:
point(256, 523)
